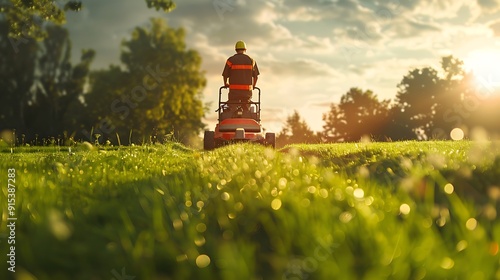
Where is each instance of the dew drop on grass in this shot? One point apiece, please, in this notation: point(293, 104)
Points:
point(311, 189)
point(184, 216)
point(345, 217)
point(339, 195)
point(447, 263)
point(238, 206)
point(200, 204)
point(369, 200)
point(323, 193)
point(201, 227)
point(427, 223)
point(349, 190)
point(177, 223)
point(461, 245)
point(448, 188)
point(404, 209)
point(359, 193)
point(276, 204)
point(199, 241)
point(274, 192)
point(282, 183)
point(225, 196)
point(471, 224)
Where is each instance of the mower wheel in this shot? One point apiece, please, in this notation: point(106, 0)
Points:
point(271, 140)
point(209, 140)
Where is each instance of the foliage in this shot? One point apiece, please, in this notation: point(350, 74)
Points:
point(17, 74)
point(406, 210)
point(429, 105)
point(56, 105)
point(27, 17)
point(158, 92)
point(432, 104)
point(41, 89)
point(358, 114)
point(296, 130)
point(417, 95)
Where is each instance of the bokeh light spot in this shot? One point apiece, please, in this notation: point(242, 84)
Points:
point(462, 245)
point(345, 217)
point(202, 261)
point(471, 224)
point(276, 204)
point(404, 209)
point(359, 193)
point(448, 188)
point(457, 134)
point(225, 196)
point(447, 263)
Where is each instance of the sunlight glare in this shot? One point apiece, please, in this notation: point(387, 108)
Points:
point(485, 64)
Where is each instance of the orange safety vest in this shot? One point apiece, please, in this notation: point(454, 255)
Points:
point(242, 82)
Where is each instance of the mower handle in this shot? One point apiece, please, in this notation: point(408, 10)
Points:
point(220, 94)
point(220, 89)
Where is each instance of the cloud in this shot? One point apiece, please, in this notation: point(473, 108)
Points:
point(408, 28)
point(488, 5)
point(496, 28)
point(301, 68)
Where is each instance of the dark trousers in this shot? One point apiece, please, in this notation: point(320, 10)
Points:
point(241, 97)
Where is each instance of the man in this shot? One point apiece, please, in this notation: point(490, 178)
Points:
point(242, 72)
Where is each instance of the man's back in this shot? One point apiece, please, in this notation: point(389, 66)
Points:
point(240, 68)
point(242, 72)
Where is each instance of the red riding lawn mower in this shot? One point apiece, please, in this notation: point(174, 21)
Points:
point(237, 122)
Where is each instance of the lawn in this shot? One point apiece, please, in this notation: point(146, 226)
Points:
point(402, 210)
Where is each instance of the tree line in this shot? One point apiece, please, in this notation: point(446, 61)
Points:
point(429, 104)
point(155, 92)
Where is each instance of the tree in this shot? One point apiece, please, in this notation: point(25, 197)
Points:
point(158, 92)
point(457, 88)
point(432, 104)
point(417, 97)
point(17, 77)
point(26, 17)
point(358, 114)
point(296, 130)
point(41, 89)
point(56, 105)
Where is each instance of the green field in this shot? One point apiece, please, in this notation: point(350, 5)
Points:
point(403, 210)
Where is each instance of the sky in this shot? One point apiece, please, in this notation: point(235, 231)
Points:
point(309, 53)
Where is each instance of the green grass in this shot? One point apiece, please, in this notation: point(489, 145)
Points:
point(404, 210)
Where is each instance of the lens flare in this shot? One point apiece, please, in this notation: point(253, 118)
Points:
point(457, 134)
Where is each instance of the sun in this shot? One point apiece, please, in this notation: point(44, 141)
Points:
point(485, 65)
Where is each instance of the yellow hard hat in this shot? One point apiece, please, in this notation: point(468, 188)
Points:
point(240, 45)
